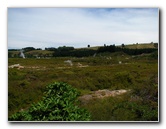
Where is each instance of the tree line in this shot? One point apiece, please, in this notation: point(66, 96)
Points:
point(90, 52)
point(113, 48)
point(65, 51)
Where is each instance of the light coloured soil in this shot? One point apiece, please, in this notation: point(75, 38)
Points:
point(101, 94)
point(18, 66)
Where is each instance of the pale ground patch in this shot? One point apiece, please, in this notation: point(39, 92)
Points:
point(101, 94)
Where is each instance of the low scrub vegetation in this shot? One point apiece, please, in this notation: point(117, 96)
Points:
point(137, 74)
point(140, 104)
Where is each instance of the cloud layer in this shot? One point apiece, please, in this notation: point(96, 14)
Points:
point(78, 27)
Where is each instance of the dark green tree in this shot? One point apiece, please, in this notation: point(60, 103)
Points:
point(26, 49)
point(9, 54)
point(156, 45)
point(123, 45)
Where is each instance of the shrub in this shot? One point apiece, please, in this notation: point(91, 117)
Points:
point(24, 83)
point(58, 104)
point(154, 55)
point(123, 80)
point(134, 111)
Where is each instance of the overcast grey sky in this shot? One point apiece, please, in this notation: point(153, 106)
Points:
point(78, 27)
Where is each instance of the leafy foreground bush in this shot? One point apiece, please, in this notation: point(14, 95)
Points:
point(58, 104)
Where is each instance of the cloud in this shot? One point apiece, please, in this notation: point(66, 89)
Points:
point(53, 27)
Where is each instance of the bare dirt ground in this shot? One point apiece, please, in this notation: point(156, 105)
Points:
point(18, 66)
point(101, 94)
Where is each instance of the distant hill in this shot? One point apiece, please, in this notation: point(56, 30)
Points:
point(130, 46)
point(47, 53)
point(142, 45)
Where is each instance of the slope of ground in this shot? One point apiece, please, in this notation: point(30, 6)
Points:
point(140, 46)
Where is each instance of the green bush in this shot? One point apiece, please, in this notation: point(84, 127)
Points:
point(24, 83)
point(154, 55)
point(134, 111)
point(58, 104)
point(123, 80)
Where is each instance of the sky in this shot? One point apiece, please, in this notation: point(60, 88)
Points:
point(79, 27)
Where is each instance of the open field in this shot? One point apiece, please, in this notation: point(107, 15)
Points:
point(140, 46)
point(103, 74)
